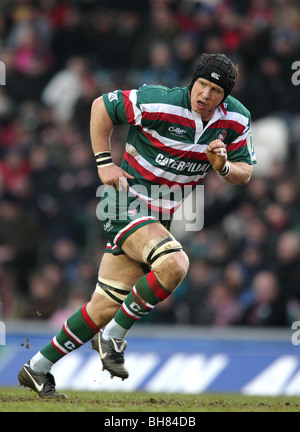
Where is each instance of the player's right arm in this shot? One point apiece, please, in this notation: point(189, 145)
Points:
point(101, 127)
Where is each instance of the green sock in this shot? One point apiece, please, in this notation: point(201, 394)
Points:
point(143, 297)
point(76, 331)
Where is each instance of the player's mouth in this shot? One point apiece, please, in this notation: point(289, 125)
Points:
point(201, 104)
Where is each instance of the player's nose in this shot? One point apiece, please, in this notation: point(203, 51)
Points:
point(206, 93)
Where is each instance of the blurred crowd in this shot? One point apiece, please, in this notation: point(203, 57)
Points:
point(59, 56)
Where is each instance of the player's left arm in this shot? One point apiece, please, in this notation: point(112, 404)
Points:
point(238, 173)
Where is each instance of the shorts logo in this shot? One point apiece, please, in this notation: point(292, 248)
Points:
point(107, 226)
point(113, 96)
point(215, 75)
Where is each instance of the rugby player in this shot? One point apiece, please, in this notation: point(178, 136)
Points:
point(175, 137)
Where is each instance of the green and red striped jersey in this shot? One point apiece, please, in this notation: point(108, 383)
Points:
point(167, 141)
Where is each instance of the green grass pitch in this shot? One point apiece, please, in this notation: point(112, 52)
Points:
point(24, 400)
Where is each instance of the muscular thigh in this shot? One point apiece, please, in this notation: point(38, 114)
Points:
point(120, 268)
point(154, 244)
point(118, 273)
point(126, 267)
point(116, 277)
point(169, 262)
point(137, 243)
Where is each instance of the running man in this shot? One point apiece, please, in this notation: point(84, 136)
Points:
point(175, 136)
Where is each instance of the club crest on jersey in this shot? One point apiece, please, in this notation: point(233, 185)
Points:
point(221, 135)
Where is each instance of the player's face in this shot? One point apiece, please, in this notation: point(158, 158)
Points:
point(205, 97)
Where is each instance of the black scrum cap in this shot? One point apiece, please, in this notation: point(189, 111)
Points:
point(216, 68)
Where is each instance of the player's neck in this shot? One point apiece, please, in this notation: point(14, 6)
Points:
point(208, 116)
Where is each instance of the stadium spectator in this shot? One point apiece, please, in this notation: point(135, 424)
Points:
point(65, 88)
point(161, 69)
point(46, 175)
point(265, 308)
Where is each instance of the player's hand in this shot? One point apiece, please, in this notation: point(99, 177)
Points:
point(114, 176)
point(216, 154)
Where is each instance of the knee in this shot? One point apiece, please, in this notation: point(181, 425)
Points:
point(179, 264)
point(172, 270)
point(101, 310)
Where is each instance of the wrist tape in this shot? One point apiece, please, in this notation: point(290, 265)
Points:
point(225, 171)
point(103, 158)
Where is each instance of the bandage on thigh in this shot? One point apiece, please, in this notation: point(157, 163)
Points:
point(113, 290)
point(157, 250)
